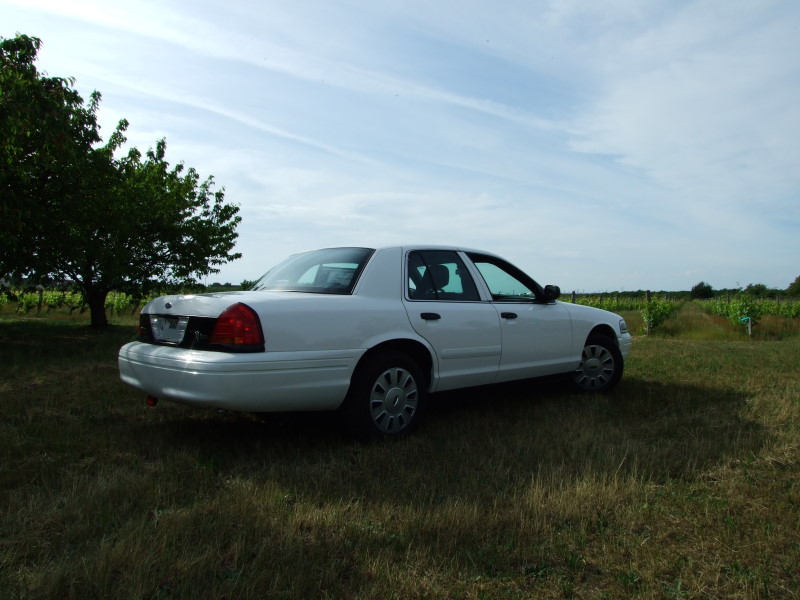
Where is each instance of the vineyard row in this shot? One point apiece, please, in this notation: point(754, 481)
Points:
point(654, 311)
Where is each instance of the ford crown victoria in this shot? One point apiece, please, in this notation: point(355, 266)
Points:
point(369, 333)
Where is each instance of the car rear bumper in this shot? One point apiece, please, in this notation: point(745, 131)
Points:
point(255, 382)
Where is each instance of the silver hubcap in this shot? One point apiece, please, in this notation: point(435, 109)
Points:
point(596, 368)
point(393, 400)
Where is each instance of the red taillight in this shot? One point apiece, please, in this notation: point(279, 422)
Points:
point(238, 325)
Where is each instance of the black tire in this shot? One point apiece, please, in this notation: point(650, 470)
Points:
point(601, 366)
point(387, 397)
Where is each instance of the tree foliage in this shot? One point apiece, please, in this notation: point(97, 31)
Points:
point(702, 291)
point(758, 290)
point(45, 132)
point(793, 291)
point(77, 212)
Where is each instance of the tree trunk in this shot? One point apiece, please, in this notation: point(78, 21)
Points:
point(96, 299)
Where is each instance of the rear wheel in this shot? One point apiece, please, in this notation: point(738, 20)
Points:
point(601, 365)
point(386, 398)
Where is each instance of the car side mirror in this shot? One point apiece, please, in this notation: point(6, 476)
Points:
point(551, 292)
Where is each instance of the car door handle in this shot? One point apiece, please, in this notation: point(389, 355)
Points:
point(508, 315)
point(431, 316)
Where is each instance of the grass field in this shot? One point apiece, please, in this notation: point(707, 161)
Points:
point(684, 483)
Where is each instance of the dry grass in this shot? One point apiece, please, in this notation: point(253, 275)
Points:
point(682, 484)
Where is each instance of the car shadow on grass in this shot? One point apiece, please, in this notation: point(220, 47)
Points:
point(659, 431)
point(498, 436)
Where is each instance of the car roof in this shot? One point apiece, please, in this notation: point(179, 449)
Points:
point(418, 246)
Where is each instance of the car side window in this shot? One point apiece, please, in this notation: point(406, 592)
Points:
point(326, 271)
point(439, 275)
point(505, 282)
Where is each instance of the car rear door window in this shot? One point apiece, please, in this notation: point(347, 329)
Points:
point(439, 275)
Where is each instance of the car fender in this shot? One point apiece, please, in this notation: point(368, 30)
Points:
point(586, 319)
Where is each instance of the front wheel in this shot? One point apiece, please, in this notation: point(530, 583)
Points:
point(601, 365)
point(386, 398)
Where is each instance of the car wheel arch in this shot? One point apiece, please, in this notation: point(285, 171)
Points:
point(415, 350)
point(602, 330)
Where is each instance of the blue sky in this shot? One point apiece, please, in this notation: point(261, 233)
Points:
point(600, 146)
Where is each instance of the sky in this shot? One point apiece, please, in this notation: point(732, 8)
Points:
point(600, 146)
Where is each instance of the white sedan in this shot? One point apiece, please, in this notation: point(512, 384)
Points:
point(369, 332)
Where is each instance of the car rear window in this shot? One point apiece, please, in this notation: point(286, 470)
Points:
point(328, 271)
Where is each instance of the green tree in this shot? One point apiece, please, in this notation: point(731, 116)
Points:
point(793, 291)
point(702, 291)
point(45, 131)
point(128, 224)
point(756, 290)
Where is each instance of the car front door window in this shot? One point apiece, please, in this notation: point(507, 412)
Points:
point(506, 283)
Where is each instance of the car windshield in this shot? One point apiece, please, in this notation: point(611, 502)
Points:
point(329, 271)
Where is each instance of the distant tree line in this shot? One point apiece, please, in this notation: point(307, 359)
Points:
point(704, 291)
